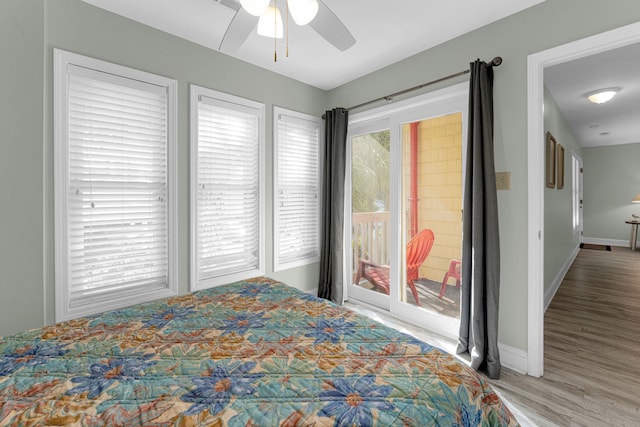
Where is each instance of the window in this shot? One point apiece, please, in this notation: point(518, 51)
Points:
point(115, 195)
point(227, 188)
point(296, 189)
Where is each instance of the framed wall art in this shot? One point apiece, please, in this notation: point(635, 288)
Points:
point(551, 161)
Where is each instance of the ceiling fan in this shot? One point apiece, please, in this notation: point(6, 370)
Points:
point(325, 23)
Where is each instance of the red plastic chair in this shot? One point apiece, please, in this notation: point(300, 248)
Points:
point(418, 249)
point(454, 271)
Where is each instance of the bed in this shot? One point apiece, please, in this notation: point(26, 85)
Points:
point(251, 353)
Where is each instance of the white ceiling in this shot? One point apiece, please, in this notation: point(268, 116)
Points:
point(386, 31)
point(612, 123)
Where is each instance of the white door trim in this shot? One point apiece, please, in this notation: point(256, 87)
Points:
point(536, 64)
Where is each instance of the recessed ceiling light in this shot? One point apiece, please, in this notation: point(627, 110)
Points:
point(601, 96)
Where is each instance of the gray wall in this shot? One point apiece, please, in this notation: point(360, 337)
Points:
point(21, 160)
point(611, 180)
point(560, 240)
point(541, 27)
point(29, 30)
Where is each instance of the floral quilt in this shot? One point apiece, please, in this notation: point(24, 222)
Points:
point(252, 353)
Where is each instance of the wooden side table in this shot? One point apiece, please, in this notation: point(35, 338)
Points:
point(634, 234)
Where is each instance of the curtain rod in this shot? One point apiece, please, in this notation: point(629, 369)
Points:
point(495, 62)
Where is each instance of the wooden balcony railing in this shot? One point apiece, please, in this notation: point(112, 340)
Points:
point(369, 238)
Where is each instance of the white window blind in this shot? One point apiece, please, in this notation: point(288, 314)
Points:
point(297, 189)
point(228, 219)
point(115, 172)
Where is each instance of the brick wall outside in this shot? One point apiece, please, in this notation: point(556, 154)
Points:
point(439, 189)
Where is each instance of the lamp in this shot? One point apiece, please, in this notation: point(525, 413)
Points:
point(270, 23)
point(303, 11)
point(255, 7)
point(601, 96)
point(635, 200)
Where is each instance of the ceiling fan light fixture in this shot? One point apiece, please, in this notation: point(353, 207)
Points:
point(255, 7)
point(303, 11)
point(270, 23)
point(602, 95)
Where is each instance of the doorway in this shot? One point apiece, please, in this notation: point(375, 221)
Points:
point(577, 195)
point(535, 71)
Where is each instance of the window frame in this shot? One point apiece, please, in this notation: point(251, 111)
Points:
point(65, 309)
point(195, 93)
point(317, 123)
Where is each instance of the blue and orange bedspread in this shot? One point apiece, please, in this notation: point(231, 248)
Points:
point(253, 353)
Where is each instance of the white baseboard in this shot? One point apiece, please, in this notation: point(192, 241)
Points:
point(557, 281)
point(513, 358)
point(313, 291)
point(510, 357)
point(610, 242)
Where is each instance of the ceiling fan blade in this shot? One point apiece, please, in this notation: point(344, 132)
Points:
point(231, 4)
point(238, 31)
point(331, 28)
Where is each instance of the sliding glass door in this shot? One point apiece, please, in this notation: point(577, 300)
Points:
point(405, 178)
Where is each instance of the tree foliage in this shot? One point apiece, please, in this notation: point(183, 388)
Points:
point(370, 163)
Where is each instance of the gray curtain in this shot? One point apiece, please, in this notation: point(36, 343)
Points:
point(480, 285)
point(331, 249)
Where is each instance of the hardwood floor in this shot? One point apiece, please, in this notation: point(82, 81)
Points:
point(592, 348)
